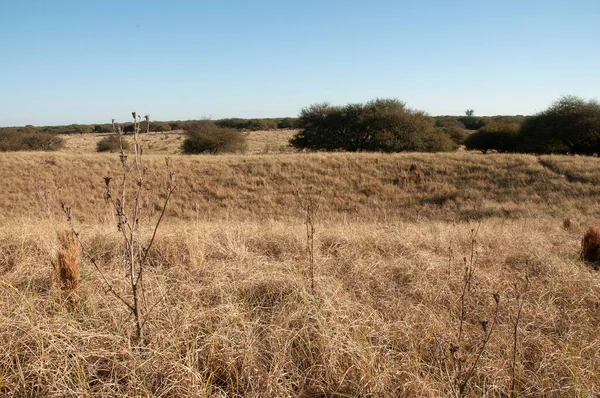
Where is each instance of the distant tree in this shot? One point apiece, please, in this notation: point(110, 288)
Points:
point(385, 125)
point(287, 123)
point(569, 125)
point(498, 137)
point(470, 121)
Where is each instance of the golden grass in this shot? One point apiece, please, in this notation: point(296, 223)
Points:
point(452, 187)
point(169, 142)
point(236, 317)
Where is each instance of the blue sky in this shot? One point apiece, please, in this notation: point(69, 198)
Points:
point(76, 61)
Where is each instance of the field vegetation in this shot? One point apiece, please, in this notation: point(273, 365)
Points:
point(285, 273)
point(394, 235)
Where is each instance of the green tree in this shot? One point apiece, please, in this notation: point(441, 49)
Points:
point(380, 125)
point(499, 137)
point(570, 125)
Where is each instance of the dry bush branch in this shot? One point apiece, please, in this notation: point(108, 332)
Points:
point(129, 220)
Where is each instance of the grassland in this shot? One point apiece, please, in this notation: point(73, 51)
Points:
point(236, 316)
point(169, 142)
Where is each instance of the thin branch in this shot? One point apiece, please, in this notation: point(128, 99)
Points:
point(488, 335)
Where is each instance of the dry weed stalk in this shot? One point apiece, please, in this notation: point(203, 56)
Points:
point(469, 268)
point(129, 218)
point(309, 206)
point(463, 380)
point(520, 296)
point(463, 372)
point(66, 266)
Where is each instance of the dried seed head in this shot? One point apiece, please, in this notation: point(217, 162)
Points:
point(107, 179)
point(147, 117)
point(134, 114)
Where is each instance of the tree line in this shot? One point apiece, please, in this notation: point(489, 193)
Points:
point(570, 125)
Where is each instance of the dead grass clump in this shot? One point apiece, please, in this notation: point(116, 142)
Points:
point(268, 295)
point(66, 267)
point(590, 247)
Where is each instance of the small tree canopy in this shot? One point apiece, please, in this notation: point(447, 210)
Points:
point(380, 125)
point(570, 125)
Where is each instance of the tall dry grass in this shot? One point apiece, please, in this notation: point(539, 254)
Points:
point(236, 316)
point(453, 187)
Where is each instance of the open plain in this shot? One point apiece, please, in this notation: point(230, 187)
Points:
point(231, 308)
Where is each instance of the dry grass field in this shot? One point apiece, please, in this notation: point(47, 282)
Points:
point(169, 142)
point(235, 314)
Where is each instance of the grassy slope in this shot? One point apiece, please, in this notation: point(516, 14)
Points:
point(451, 187)
point(169, 143)
point(236, 317)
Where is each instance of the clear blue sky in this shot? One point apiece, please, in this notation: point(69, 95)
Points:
point(80, 61)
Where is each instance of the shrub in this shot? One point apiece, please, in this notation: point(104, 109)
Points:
point(498, 137)
point(102, 128)
point(207, 137)
point(471, 122)
point(448, 121)
point(18, 141)
point(287, 123)
point(570, 125)
point(457, 135)
point(160, 126)
point(590, 247)
point(380, 125)
point(439, 141)
point(110, 143)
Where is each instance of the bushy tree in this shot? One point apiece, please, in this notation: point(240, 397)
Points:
point(570, 125)
point(206, 137)
point(501, 137)
point(380, 125)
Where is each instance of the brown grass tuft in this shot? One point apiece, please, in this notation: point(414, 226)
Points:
point(67, 264)
point(590, 247)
